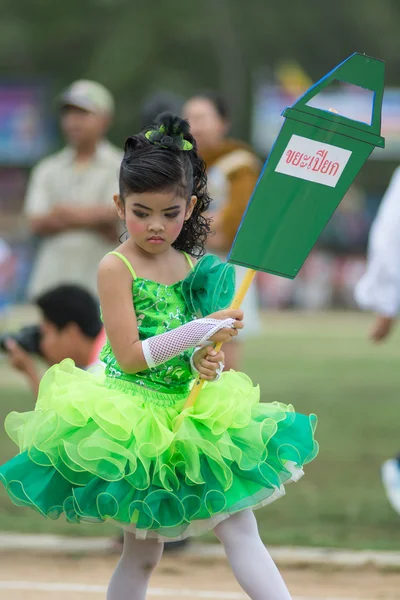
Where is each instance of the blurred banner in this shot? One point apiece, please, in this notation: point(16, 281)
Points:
point(272, 97)
point(26, 135)
point(25, 127)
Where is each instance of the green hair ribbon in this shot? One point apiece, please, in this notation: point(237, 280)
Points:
point(162, 138)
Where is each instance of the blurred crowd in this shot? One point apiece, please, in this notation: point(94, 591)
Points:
point(68, 205)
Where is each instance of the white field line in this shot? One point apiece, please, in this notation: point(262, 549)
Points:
point(39, 586)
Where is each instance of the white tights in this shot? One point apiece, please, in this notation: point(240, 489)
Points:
point(131, 577)
point(251, 563)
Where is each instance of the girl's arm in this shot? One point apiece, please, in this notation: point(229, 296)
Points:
point(115, 291)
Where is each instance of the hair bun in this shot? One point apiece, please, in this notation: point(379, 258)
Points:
point(172, 124)
point(170, 131)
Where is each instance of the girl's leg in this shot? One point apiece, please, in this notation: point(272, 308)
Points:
point(131, 577)
point(251, 563)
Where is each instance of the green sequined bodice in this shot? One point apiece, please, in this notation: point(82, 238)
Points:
point(158, 309)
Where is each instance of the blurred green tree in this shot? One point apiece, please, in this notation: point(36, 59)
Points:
point(136, 46)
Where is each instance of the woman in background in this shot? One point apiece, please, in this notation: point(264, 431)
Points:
point(233, 170)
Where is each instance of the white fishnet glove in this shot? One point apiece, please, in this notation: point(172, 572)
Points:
point(160, 348)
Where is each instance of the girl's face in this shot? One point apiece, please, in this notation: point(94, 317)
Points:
point(154, 220)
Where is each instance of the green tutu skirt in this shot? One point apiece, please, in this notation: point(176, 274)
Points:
point(99, 449)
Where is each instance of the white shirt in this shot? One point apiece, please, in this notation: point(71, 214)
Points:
point(379, 288)
point(72, 256)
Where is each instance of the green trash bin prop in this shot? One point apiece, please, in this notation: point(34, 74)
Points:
point(314, 161)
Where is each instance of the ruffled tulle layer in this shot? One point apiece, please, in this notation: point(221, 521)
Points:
point(96, 450)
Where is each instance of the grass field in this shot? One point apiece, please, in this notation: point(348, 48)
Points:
point(322, 364)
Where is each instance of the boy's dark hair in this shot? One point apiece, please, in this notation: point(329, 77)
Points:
point(218, 101)
point(163, 165)
point(71, 304)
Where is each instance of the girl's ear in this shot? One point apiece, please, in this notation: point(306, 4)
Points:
point(190, 207)
point(120, 206)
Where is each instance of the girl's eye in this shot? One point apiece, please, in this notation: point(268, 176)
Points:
point(139, 214)
point(172, 215)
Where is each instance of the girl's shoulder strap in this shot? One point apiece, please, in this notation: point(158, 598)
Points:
point(189, 259)
point(127, 263)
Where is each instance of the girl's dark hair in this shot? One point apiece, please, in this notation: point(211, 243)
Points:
point(160, 164)
point(218, 101)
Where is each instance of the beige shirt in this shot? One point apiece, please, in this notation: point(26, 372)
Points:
point(71, 256)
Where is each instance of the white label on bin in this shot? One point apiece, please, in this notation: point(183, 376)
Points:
point(313, 161)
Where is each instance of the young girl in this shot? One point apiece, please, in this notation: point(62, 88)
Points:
point(120, 446)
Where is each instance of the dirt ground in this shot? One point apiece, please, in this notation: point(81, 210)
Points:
point(33, 577)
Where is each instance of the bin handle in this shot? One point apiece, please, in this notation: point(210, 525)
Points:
point(360, 70)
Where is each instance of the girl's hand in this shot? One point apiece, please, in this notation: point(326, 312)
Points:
point(208, 362)
point(228, 333)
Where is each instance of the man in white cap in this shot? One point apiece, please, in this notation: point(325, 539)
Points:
point(69, 201)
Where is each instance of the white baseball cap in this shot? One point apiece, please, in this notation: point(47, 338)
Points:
point(88, 95)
